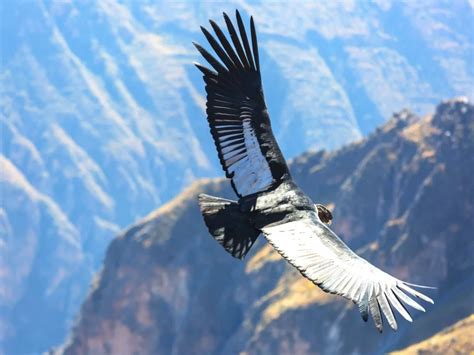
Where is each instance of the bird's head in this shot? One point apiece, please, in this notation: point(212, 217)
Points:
point(324, 213)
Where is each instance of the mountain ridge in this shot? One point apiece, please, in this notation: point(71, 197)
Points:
point(167, 287)
point(102, 110)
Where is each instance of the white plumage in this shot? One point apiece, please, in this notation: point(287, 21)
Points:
point(322, 257)
point(242, 155)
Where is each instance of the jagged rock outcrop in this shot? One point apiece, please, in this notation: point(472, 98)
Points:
point(403, 198)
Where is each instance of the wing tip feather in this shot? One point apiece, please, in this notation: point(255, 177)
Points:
point(415, 293)
point(420, 286)
point(206, 71)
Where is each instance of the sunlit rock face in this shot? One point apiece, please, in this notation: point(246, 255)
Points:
point(102, 111)
point(402, 197)
point(456, 339)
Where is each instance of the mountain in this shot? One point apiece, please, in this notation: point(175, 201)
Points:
point(402, 197)
point(102, 116)
point(32, 264)
point(455, 339)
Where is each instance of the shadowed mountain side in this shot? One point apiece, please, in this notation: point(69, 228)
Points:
point(24, 209)
point(160, 267)
point(403, 198)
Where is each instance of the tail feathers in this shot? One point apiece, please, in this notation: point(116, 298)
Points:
point(228, 225)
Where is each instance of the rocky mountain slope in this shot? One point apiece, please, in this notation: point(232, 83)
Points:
point(456, 339)
point(403, 197)
point(101, 115)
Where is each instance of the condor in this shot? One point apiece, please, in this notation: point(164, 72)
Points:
point(270, 203)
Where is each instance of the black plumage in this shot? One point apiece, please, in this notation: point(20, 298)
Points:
point(236, 108)
point(270, 203)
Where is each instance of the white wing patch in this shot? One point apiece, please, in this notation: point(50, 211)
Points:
point(242, 156)
point(323, 258)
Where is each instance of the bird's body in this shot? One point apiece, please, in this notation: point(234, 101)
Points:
point(283, 204)
point(269, 201)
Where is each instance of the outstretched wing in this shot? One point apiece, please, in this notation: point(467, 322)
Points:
point(323, 258)
point(236, 111)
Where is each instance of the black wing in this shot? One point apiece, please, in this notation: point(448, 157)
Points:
point(237, 113)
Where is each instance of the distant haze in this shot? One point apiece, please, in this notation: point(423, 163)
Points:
point(102, 118)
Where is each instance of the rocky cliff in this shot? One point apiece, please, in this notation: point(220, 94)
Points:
point(456, 339)
point(102, 114)
point(403, 198)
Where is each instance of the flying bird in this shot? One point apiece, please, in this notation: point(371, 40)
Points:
point(269, 201)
